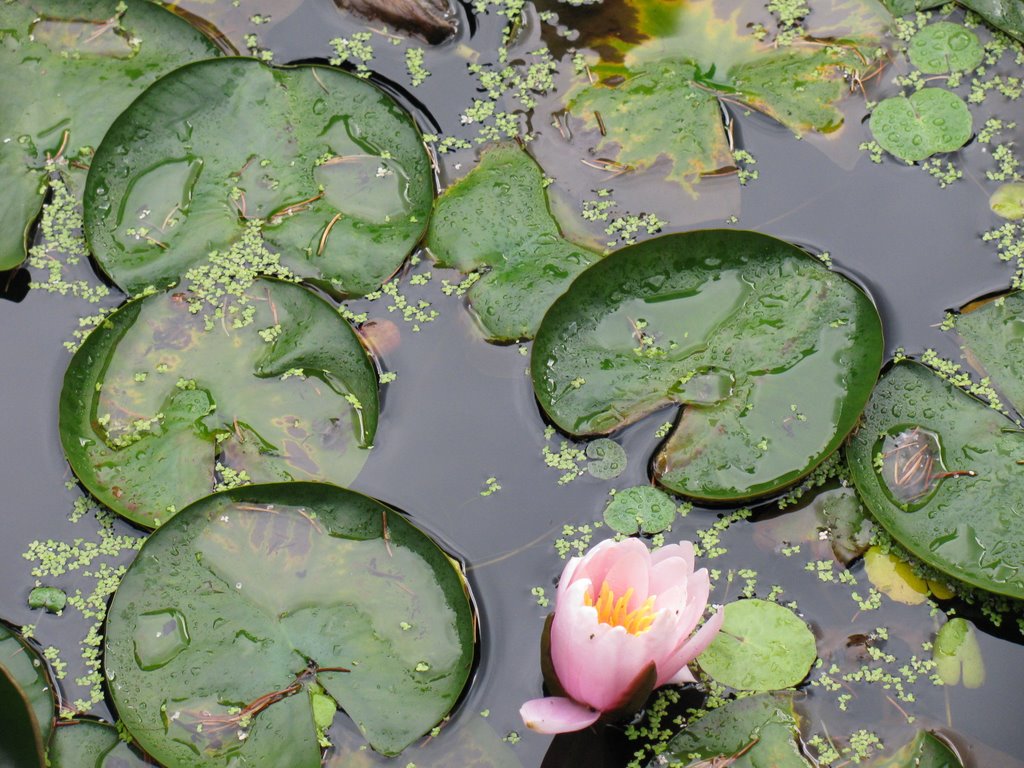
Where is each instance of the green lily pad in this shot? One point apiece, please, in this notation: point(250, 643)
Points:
point(754, 732)
point(79, 63)
point(763, 646)
point(27, 673)
point(957, 654)
point(927, 122)
point(22, 743)
point(654, 103)
point(328, 167)
point(992, 338)
point(938, 469)
point(1006, 15)
point(607, 459)
point(641, 508)
point(90, 743)
point(161, 404)
point(849, 528)
point(50, 598)
point(925, 750)
point(238, 605)
point(1008, 201)
point(771, 355)
point(497, 224)
point(945, 47)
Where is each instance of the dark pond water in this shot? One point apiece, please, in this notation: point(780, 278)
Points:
point(462, 411)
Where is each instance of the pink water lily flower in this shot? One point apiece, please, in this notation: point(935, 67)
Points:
point(621, 627)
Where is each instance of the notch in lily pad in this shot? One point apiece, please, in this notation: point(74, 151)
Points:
point(770, 355)
point(926, 123)
point(327, 167)
point(163, 405)
point(277, 596)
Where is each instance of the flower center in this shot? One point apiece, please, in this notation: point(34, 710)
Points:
point(616, 613)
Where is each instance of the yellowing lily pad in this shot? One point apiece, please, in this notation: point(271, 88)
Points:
point(247, 604)
point(328, 167)
point(72, 66)
point(771, 355)
point(163, 404)
point(926, 123)
point(662, 98)
point(497, 225)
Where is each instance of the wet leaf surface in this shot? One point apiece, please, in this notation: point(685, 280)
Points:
point(329, 167)
point(642, 509)
point(497, 223)
point(89, 744)
point(161, 404)
point(27, 674)
point(965, 525)
point(652, 103)
point(945, 47)
point(110, 56)
point(992, 338)
point(762, 646)
point(771, 355)
point(236, 606)
point(926, 123)
point(755, 732)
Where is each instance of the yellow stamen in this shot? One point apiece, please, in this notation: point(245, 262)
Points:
point(616, 613)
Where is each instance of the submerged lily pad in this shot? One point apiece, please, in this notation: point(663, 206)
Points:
point(755, 732)
point(925, 750)
point(1008, 201)
point(771, 355)
point(945, 47)
point(162, 404)
point(929, 121)
point(762, 646)
point(73, 66)
point(992, 338)
point(27, 674)
point(90, 743)
point(332, 170)
point(237, 606)
point(939, 470)
point(957, 654)
point(497, 224)
point(655, 103)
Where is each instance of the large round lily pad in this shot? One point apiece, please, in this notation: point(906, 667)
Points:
point(939, 470)
point(161, 404)
point(771, 355)
point(27, 674)
point(248, 614)
point(927, 122)
point(329, 166)
point(72, 66)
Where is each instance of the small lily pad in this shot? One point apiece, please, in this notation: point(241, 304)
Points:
point(27, 673)
point(771, 355)
point(927, 122)
point(90, 743)
point(755, 732)
point(607, 459)
point(1008, 201)
point(497, 225)
point(162, 404)
point(641, 508)
point(331, 170)
point(957, 654)
point(79, 63)
point(945, 47)
point(244, 605)
point(939, 470)
point(925, 750)
point(50, 598)
point(762, 646)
